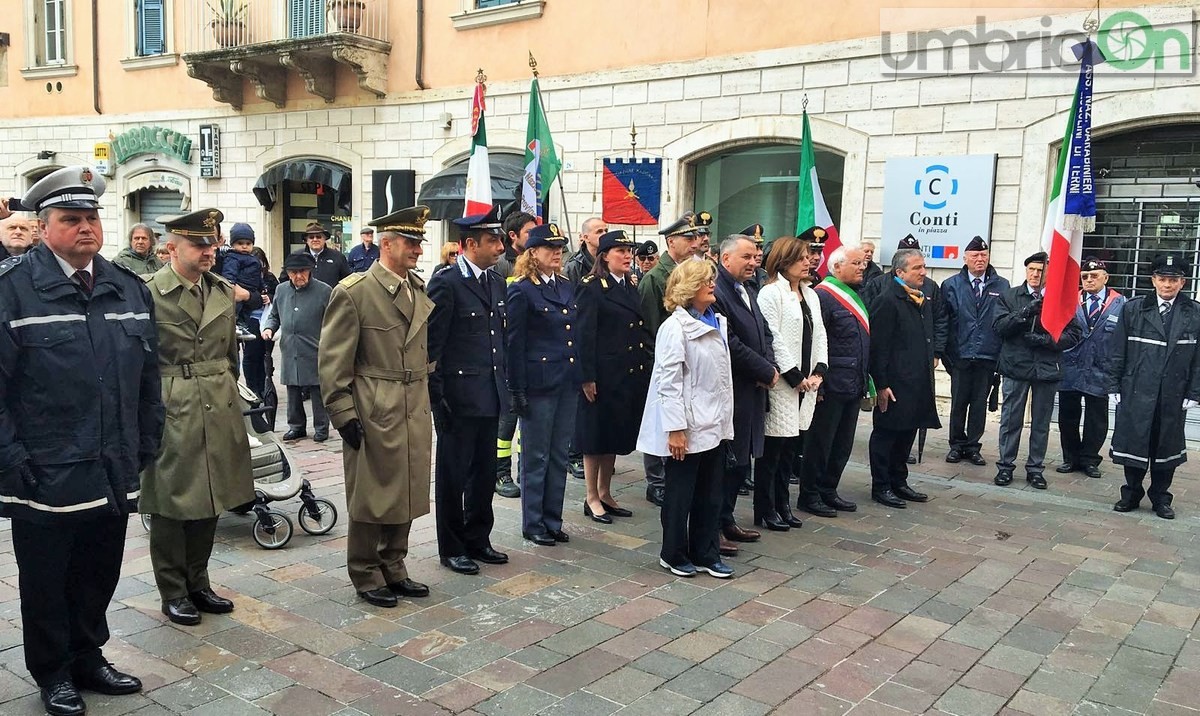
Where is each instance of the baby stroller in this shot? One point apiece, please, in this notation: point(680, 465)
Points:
point(275, 479)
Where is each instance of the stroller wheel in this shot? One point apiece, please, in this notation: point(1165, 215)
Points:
point(145, 521)
point(276, 533)
point(324, 520)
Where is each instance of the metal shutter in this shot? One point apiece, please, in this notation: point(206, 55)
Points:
point(153, 204)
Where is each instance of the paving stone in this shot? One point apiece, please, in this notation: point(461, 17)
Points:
point(469, 657)
point(1032, 638)
point(663, 665)
point(1060, 683)
point(404, 673)
point(520, 700)
point(538, 657)
point(626, 685)
point(1157, 638)
point(1008, 658)
point(732, 705)
point(961, 701)
point(248, 680)
point(661, 702)
point(700, 684)
point(228, 706)
point(582, 703)
point(186, 694)
point(299, 701)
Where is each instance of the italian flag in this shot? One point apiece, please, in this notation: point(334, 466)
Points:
point(541, 162)
point(812, 210)
point(479, 170)
point(1071, 211)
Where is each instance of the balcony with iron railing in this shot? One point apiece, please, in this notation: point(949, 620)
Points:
point(262, 40)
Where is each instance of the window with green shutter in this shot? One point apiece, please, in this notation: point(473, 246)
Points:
point(151, 30)
point(306, 18)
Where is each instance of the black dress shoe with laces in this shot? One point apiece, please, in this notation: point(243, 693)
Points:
point(487, 555)
point(955, 455)
point(206, 600)
point(294, 435)
point(1164, 511)
point(1004, 477)
point(108, 681)
point(408, 588)
point(541, 538)
point(1093, 472)
point(63, 699)
point(654, 495)
point(460, 564)
point(1065, 468)
point(976, 459)
point(818, 508)
point(559, 536)
point(839, 504)
point(1037, 480)
point(908, 494)
point(1125, 506)
point(380, 597)
point(181, 611)
point(889, 498)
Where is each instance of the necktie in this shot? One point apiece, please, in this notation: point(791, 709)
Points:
point(198, 293)
point(1094, 311)
point(1164, 310)
point(84, 279)
point(742, 294)
point(975, 286)
point(483, 280)
point(406, 301)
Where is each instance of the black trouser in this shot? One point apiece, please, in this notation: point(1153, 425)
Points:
point(691, 508)
point(734, 477)
point(1082, 451)
point(771, 474)
point(465, 480)
point(179, 552)
point(969, 384)
point(655, 474)
point(67, 573)
point(254, 366)
point(1160, 485)
point(889, 450)
point(827, 446)
point(296, 418)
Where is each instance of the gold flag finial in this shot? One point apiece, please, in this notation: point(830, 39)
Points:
point(533, 64)
point(480, 78)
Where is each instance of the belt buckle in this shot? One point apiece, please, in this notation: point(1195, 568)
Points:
point(187, 370)
point(408, 376)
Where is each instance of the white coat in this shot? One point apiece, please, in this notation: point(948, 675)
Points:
point(691, 387)
point(788, 414)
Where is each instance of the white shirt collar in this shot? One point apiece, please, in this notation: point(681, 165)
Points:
point(547, 278)
point(1161, 300)
point(474, 269)
point(1033, 291)
point(70, 270)
point(1099, 295)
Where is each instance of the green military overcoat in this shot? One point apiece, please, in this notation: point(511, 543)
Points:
point(204, 467)
point(373, 365)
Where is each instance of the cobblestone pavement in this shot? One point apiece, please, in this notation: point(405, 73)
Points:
point(985, 600)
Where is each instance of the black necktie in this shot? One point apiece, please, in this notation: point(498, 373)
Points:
point(83, 278)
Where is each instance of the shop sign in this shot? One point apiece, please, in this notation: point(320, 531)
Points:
point(152, 140)
point(942, 201)
point(210, 151)
point(102, 158)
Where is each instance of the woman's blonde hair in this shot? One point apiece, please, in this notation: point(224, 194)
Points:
point(685, 281)
point(527, 266)
point(447, 248)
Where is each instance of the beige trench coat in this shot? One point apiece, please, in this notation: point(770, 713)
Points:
point(204, 467)
point(373, 364)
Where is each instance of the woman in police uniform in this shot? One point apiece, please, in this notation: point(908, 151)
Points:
point(543, 379)
point(615, 359)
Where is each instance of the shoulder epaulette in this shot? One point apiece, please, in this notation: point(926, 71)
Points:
point(588, 278)
point(352, 279)
point(10, 263)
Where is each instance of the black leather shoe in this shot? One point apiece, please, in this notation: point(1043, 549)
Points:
point(1004, 477)
point(559, 536)
point(540, 538)
point(1092, 471)
point(976, 459)
point(654, 496)
point(955, 455)
point(108, 681)
point(505, 487)
point(908, 494)
point(818, 508)
point(63, 699)
point(1037, 480)
point(460, 564)
point(912, 458)
point(206, 600)
point(294, 435)
point(743, 490)
point(771, 522)
point(789, 517)
point(1125, 506)
point(616, 511)
point(181, 611)
point(839, 504)
point(889, 498)
point(381, 597)
point(1065, 468)
point(575, 467)
point(487, 555)
point(320, 437)
point(602, 518)
point(408, 588)
point(1164, 511)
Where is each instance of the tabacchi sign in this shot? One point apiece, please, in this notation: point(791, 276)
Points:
point(152, 140)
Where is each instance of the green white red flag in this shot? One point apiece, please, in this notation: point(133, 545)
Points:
point(479, 170)
point(812, 210)
point(541, 161)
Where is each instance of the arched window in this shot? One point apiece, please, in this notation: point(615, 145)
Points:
point(758, 184)
point(1147, 202)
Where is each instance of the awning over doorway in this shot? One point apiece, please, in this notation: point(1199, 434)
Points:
point(303, 170)
point(445, 193)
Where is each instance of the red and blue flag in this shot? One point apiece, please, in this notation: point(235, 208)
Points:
point(632, 191)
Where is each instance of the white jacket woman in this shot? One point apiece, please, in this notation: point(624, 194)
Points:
point(780, 306)
point(691, 387)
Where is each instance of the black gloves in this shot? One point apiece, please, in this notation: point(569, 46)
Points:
point(352, 433)
point(520, 403)
point(443, 416)
point(1031, 310)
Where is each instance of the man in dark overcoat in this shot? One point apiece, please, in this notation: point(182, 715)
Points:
point(754, 373)
point(468, 391)
point(1154, 378)
point(294, 320)
point(80, 415)
point(902, 361)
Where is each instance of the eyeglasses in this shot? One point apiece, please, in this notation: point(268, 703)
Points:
point(452, 254)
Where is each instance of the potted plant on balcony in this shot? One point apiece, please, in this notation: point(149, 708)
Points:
point(347, 14)
point(228, 28)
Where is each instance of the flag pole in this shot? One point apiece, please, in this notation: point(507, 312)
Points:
point(633, 155)
point(561, 191)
